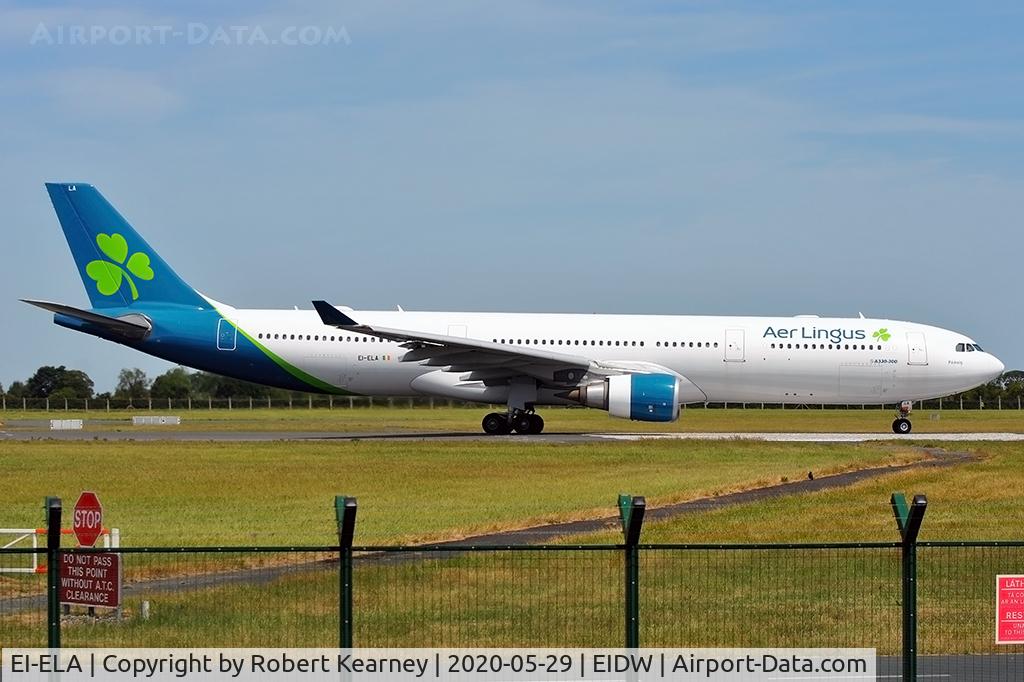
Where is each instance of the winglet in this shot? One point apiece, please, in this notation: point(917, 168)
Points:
point(333, 317)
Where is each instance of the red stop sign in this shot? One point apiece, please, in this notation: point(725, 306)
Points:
point(88, 519)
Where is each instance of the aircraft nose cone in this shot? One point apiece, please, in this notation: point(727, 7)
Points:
point(997, 368)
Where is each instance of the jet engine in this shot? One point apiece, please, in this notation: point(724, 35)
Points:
point(642, 397)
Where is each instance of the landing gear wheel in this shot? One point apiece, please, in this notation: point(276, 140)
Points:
point(495, 424)
point(522, 423)
point(536, 423)
point(901, 426)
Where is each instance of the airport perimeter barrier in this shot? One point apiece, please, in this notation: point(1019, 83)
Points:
point(311, 401)
point(928, 608)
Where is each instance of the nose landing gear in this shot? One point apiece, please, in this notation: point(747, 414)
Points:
point(901, 424)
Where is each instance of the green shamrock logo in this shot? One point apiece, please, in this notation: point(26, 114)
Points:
point(109, 275)
point(882, 334)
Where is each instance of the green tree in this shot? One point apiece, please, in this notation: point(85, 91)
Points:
point(207, 385)
point(17, 390)
point(175, 384)
point(132, 384)
point(58, 382)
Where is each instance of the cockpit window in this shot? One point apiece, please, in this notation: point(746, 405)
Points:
point(977, 347)
point(970, 348)
point(961, 347)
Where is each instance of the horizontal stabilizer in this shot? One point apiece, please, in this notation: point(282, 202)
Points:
point(132, 326)
point(333, 317)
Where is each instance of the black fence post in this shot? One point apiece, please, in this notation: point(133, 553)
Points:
point(345, 510)
point(908, 520)
point(53, 521)
point(631, 512)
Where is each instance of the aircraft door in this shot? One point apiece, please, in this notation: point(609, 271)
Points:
point(227, 335)
point(734, 345)
point(917, 351)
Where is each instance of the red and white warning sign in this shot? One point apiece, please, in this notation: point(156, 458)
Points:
point(88, 519)
point(1010, 609)
point(92, 579)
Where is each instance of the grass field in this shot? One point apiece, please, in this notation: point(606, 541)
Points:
point(163, 493)
point(783, 598)
point(558, 420)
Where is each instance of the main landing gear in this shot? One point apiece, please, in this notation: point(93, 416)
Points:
point(520, 421)
point(901, 424)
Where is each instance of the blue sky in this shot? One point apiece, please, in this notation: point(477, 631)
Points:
point(761, 158)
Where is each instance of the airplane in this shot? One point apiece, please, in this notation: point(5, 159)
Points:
point(639, 367)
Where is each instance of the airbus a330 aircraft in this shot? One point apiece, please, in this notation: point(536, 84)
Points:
point(640, 367)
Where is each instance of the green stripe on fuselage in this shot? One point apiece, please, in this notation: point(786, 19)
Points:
point(305, 377)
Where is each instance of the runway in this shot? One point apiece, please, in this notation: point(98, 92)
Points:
point(169, 434)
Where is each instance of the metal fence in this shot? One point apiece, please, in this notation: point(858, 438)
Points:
point(933, 616)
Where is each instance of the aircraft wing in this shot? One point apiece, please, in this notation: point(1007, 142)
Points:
point(491, 363)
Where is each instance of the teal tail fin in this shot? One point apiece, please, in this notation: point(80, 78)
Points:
point(119, 269)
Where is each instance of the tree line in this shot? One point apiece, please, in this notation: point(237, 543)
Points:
point(133, 384)
point(179, 384)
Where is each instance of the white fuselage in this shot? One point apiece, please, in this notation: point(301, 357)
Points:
point(729, 359)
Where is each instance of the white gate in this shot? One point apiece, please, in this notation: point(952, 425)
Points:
point(29, 537)
point(734, 345)
point(917, 351)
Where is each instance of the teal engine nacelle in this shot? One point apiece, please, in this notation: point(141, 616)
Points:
point(642, 397)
